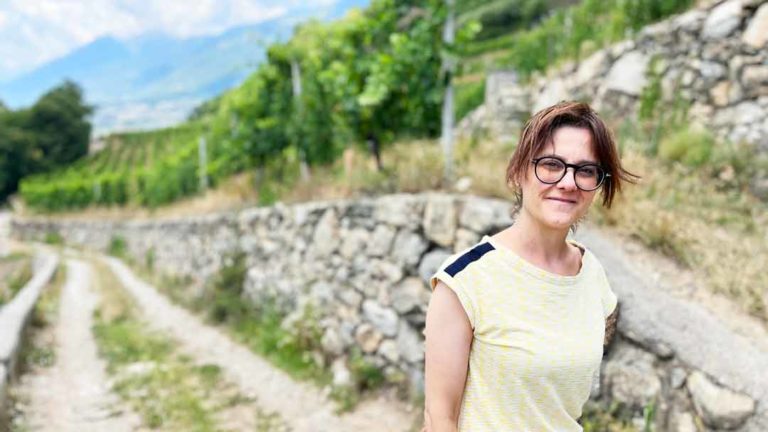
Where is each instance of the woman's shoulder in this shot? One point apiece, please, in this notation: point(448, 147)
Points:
point(461, 260)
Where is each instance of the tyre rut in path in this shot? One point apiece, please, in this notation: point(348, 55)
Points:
point(73, 395)
point(300, 404)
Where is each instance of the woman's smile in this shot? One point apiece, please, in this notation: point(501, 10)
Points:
point(562, 200)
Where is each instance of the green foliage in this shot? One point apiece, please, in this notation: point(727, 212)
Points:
point(52, 133)
point(373, 73)
point(364, 374)
point(690, 146)
point(649, 414)
point(468, 97)
point(123, 342)
point(149, 259)
point(53, 238)
point(18, 271)
point(579, 29)
point(651, 94)
point(600, 418)
point(498, 17)
point(117, 246)
point(20, 278)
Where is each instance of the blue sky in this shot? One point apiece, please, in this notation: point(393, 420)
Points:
point(33, 32)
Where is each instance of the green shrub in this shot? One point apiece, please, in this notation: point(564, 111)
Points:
point(117, 246)
point(53, 238)
point(149, 259)
point(468, 97)
point(689, 146)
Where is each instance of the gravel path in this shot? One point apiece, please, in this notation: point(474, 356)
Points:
point(301, 405)
point(73, 394)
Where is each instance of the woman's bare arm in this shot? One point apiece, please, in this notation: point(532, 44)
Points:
point(448, 340)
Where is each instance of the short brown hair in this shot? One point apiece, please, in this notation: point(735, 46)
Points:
point(538, 131)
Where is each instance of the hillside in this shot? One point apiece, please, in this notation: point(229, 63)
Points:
point(373, 74)
point(155, 80)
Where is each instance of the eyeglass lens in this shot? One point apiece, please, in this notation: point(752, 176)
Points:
point(552, 170)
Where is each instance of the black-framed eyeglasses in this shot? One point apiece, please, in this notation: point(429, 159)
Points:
point(551, 169)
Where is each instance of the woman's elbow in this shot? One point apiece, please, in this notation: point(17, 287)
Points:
point(439, 420)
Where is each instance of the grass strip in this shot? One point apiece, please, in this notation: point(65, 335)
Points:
point(166, 388)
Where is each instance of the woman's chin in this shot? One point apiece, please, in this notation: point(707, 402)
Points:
point(560, 223)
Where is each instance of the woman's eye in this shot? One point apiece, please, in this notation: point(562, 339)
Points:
point(552, 165)
point(588, 172)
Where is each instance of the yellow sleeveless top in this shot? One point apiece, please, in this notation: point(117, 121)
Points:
point(538, 338)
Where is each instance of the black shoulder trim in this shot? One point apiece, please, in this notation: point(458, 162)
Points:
point(468, 258)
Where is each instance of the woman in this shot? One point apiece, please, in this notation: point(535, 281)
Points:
point(516, 324)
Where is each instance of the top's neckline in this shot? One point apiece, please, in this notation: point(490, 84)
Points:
point(539, 272)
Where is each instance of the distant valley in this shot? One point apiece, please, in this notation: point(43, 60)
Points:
point(155, 80)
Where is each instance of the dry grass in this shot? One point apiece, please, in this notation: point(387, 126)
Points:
point(720, 234)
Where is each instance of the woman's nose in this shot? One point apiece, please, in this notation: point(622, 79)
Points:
point(568, 181)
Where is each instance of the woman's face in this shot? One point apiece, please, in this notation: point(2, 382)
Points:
point(560, 205)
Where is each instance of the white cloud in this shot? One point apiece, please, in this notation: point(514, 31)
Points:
point(32, 32)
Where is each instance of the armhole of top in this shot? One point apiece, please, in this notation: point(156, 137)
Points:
point(459, 291)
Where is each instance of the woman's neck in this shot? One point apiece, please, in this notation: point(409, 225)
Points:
point(536, 242)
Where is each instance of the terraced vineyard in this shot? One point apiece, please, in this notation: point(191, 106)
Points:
point(145, 168)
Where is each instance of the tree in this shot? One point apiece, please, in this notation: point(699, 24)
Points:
point(53, 132)
point(59, 120)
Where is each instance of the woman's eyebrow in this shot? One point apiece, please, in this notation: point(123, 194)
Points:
point(581, 162)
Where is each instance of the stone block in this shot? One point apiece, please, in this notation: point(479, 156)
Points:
point(440, 219)
point(431, 262)
point(381, 240)
point(382, 318)
point(756, 34)
point(719, 407)
point(410, 344)
point(354, 242)
point(388, 350)
point(326, 236)
point(408, 295)
point(627, 75)
point(408, 248)
point(722, 20)
point(367, 338)
point(631, 377)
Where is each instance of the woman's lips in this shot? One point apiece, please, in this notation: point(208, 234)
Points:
point(563, 200)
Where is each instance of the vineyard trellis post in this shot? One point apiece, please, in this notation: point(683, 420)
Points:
point(449, 64)
point(202, 153)
point(296, 84)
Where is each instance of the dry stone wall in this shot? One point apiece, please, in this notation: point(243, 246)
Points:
point(362, 268)
point(713, 59)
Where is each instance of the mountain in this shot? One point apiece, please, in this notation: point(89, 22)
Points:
point(154, 80)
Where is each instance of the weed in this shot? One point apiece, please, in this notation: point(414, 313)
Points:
point(149, 260)
point(690, 146)
point(117, 246)
point(53, 238)
point(597, 417)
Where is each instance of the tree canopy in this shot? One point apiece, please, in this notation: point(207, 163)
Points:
point(51, 133)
